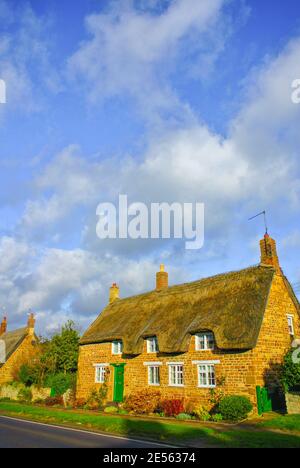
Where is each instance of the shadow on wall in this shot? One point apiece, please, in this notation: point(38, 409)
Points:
point(274, 386)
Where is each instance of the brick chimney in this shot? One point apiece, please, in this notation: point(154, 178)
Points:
point(162, 279)
point(3, 326)
point(31, 323)
point(114, 293)
point(269, 253)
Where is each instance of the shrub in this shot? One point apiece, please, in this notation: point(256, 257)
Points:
point(25, 394)
point(172, 407)
point(201, 413)
point(97, 398)
point(143, 402)
point(79, 403)
point(111, 410)
point(123, 411)
point(27, 375)
point(217, 417)
point(290, 375)
point(59, 383)
point(54, 401)
point(183, 416)
point(5, 400)
point(235, 407)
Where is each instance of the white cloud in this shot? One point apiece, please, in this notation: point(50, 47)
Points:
point(133, 51)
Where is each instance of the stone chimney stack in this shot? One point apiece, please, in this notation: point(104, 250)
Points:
point(114, 293)
point(269, 253)
point(162, 279)
point(3, 326)
point(31, 323)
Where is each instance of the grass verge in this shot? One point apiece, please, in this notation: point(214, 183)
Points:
point(183, 434)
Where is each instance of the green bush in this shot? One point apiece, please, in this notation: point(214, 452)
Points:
point(111, 410)
point(217, 417)
point(25, 394)
point(27, 375)
point(59, 383)
point(183, 416)
point(290, 375)
point(235, 407)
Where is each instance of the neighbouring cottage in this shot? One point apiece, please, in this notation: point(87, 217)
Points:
point(16, 347)
point(229, 332)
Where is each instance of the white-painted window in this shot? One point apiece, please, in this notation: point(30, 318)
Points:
point(152, 345)
point(176, 375)
point(204, 341)
point(117, 347)
point(100, 373)
point(153, 375)
point(290, 319)
point(206, 376)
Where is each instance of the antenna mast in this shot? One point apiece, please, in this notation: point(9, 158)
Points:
point(263, 213)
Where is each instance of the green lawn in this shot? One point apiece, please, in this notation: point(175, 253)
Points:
point(185, 434)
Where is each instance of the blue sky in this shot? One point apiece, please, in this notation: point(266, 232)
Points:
point(163, 100)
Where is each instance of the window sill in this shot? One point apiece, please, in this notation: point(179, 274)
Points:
point(154, 384)
point(176, 385)
point(207, 386)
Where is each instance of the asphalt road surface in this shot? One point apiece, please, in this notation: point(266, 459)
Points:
point(16, 433)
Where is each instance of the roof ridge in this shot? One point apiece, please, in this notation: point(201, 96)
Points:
point(171, 289)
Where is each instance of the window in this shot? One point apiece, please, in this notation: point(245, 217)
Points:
point(152, 345)
point(153, 375)
point(117, 347)
point(290, 319)
point(176, 375)
point(100, 373)
point(206, 375)
point(205, 341)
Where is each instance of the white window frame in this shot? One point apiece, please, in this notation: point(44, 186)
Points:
point(100, 372)
point(157, 382)
point(119, 345)
point(176, 365)
point(152, 345)
point(290, 319)
point(206, 336)
point(209, 369)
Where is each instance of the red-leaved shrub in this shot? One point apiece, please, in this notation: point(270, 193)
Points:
point(172, 407)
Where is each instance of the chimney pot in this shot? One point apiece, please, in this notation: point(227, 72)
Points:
point(114, 293)
point(3, 326)
point(31, 322)
point(162, 279)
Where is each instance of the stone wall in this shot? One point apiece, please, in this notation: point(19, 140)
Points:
point(292, 400)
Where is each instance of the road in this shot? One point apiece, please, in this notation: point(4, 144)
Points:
point(16, 433)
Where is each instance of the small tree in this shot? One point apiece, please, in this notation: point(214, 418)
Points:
point(290, 376)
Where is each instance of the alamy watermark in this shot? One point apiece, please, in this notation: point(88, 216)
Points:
point(295, 96)
point(296, 352)
point(156, 221)
point(2, 92)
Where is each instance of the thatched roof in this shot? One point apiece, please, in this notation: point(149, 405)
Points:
point(12, 340)
point(232, 305)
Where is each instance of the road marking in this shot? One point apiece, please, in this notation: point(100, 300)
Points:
point(99, 434)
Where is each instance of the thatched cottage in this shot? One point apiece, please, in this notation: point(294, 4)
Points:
point(16, 347)
point(228, 332)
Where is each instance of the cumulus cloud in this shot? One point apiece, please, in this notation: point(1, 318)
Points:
point(133, 50)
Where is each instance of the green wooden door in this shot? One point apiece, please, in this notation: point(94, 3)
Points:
point(264, 402)
point(119, 382)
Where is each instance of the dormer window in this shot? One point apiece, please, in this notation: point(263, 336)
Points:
point(204, 341)
point(117, 347)
point(290, 319)
point(152, 345)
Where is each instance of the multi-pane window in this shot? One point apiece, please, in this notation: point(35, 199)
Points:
point(206, 375)
point(205, 341)
point(291, 324)
point(153, 375)
point(152, 345)
point(176, 374)
point(100, 373)
point(117, 347)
